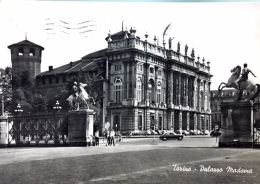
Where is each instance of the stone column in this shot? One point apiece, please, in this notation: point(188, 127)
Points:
point(188, 121)
point(195, 121)
point(187, 91)
point(3, 131)
point(179, 89)
point(198, 95)
point(146, 70)
point(170, 88)
point(180, 120)
point(199, 122)
point(126, 80)
point(209, 96)
point(195, 92)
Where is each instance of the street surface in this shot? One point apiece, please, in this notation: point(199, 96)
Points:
point(135, 160)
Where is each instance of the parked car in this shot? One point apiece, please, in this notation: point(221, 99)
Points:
point(185, 132)
point(171, 135)
point(154, 132)
point(148, 132)
point(192, 132)
point(215, 133)
point(178, 131)
point(159, 132)
point(206, 132)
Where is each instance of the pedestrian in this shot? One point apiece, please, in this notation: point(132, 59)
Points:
point(112, 135)
point(97, 138)
point(108, 138)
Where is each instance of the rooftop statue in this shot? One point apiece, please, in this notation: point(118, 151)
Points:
point(192, 53)
point(79, 99)
point(186, 49)
point(170, 42)
point(178, 47)
point(241, 83)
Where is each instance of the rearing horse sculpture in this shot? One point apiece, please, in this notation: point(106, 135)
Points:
point(79, 97)
point(248, 85)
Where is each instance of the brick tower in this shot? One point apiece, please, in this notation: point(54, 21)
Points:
point(26, 56)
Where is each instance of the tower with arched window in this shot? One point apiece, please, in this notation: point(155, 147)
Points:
point(26, 56)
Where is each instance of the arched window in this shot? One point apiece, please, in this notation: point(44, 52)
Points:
point(20, 52)
point(32, 52)
point(139, 90)
point(118, 90)
point(159, 92)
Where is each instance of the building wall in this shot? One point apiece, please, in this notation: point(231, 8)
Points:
point(184, 97)
point(146, 81)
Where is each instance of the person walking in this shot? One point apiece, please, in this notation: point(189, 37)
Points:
point(112, 135)
point(108, 138)
point(97, 138)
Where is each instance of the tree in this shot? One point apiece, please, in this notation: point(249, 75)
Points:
point(5, 85)
point(26, 94)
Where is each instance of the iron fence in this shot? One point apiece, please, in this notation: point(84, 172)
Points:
point(38, 129)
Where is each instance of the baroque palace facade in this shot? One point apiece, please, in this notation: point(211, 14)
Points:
point(144, 83)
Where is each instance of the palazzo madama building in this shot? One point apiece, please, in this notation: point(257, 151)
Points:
point(144, 83)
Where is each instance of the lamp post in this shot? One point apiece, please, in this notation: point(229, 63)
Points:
point(57, 106)
point(17, 111)
point(57, 109)
point(2, 100)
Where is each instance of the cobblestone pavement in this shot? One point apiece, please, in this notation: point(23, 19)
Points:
point(193, 160)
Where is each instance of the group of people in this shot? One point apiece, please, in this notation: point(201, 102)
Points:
point(109, 135)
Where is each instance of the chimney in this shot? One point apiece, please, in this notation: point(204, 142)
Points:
point(50, 68)
point(71, 64)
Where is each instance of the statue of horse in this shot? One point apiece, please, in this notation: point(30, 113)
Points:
point(79, 98)
point(248, 85)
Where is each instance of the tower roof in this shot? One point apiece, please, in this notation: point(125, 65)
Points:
point(25, 43)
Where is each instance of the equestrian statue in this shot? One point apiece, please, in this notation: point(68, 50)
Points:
point(240, 82)
point(79, 99)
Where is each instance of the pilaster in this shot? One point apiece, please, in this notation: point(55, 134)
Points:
point(188, 121)
point(180, 120)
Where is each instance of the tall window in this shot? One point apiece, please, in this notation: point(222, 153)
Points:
point(139, 89)
point(140, 122)
point(160, 123)
point(159, 92)
point(118, 90)
point(152, 117)
point(118, 67)
point(140, 68)
point(151, 70)
point(151, 90)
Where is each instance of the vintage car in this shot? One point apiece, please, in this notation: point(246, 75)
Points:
point(171, 135)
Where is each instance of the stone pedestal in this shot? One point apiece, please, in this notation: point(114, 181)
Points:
point(80, 127)
point(3, 131)
point(236, 124)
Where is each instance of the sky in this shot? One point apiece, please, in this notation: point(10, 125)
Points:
point(225, 33)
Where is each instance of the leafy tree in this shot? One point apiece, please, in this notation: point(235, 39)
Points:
point(25, 93)
point(5, 85)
